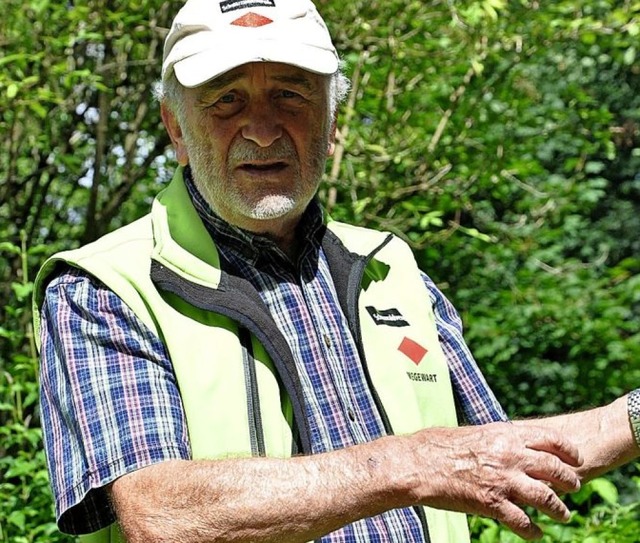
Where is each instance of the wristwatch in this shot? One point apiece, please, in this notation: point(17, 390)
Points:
point(633, 408)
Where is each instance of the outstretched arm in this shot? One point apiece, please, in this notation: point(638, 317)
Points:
point(491, 470)
point(604, 435)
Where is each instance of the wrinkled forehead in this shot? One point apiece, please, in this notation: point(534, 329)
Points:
point(268, 73)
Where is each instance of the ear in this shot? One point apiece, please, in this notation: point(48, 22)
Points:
point(331, 148)
point(175, 133)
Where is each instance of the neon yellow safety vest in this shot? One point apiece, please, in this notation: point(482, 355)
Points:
point(166, 267)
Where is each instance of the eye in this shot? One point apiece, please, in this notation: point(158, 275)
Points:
point(226, 104)
point(290, 94)
point(228, 98)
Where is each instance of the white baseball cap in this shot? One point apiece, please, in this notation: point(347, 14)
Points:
point(210, 37)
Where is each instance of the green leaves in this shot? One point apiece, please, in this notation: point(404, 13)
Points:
point(500, 139)
point(25, 500)
point(22, 292)
point(598, 487)
point(12, 91)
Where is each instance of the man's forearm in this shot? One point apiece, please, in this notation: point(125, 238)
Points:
point(254, 499)
point(491, 470)
point(603, 435)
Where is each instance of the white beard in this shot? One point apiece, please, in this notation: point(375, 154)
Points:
point(213, 180)
point(272, 207)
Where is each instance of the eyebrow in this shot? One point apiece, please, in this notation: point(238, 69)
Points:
point(299, 80)
point(222, 81)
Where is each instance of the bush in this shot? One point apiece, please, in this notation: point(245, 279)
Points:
point(26, 513)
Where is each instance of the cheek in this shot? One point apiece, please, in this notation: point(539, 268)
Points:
point(205, 141)
point(219, 138)
point(319, 146)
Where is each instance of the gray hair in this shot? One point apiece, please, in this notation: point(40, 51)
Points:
point(169, 91)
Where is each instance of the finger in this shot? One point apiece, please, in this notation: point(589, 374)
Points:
point(551, 469)
point(542, 439)
point(517, 520)
point(544, 499)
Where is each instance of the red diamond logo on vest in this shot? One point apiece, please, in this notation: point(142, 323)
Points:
point(413, 350)
point(253, 20)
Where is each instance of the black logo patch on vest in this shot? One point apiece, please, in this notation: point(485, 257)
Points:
point(232, 5)
point(388, 317)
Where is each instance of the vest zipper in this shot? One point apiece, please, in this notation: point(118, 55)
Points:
point(354, 282)
point(237, 300)
point(256, 430)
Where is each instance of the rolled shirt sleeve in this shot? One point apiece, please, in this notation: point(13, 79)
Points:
point(109, 398)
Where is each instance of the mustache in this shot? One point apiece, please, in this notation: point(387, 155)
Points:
point(245, 151)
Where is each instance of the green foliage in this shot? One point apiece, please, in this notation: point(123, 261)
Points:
point(557, 328)
point(500, 139)
point(26, 513)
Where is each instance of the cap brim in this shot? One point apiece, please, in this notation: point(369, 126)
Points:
point(208, 64)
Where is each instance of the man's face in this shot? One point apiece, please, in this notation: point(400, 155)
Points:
point(257, 139)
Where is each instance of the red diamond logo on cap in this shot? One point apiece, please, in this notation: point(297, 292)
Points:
point(253, 20)
point(413, 350)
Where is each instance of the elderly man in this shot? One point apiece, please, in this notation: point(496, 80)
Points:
point(235, 366)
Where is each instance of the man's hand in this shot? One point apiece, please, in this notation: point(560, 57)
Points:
point(494, 470)
point(615, 444)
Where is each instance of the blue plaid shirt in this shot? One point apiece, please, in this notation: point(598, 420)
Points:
point(110, 402)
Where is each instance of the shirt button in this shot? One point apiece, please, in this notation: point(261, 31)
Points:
point(351, 414)
point(327, 341)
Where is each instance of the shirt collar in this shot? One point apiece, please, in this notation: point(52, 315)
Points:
point(255, 248)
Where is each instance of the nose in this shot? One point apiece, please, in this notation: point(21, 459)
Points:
point(262, 125)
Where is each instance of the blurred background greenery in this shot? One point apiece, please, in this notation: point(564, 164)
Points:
point(501, 139)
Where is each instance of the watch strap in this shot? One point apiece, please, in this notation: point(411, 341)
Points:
point(633, 409)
